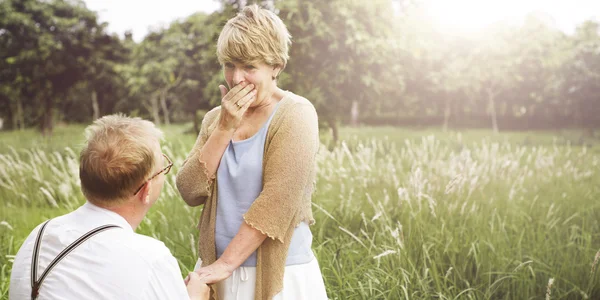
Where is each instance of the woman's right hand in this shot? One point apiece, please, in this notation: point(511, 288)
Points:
point(234, 104)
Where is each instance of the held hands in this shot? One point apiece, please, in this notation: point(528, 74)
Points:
point(196, 282)
point(215, 272)
point(197, 289)
point(234, 104)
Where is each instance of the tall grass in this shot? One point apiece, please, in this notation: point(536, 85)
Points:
point(407, 216)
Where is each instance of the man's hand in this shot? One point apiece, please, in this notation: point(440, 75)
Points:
point(197, 289)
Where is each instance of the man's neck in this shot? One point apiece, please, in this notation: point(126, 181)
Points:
point(132, 213)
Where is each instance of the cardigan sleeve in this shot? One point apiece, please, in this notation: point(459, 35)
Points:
point(192, 180)
point(288, 172)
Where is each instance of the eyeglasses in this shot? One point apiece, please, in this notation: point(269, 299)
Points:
point(165, 169)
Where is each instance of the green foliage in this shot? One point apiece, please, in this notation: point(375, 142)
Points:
point(175, 70)
point(581, 85)
point(400, 214)
point(341, 52)
point(57, 63)
point(46, 49)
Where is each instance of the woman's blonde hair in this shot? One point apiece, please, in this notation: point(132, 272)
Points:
point(119, 154)
point(254, 35)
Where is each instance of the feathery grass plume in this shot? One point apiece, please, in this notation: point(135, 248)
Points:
point(407, 177)
point(353, 236)
point(448, 273)
point(549, 288)
point(385, 253)
point(5, 224)
point(596, 259)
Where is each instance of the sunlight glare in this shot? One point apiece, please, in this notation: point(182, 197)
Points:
point(469, 16)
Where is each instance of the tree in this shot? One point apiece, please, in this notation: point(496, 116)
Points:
point(340, 54)
point(491, 70)
point(45, 49)
point(581, 85)
point(199, 90)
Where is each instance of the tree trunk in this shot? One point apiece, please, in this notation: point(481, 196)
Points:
point(586, 121)
point(446, 115)
point(13, 118)
point(579, 118)
point(46, 120)
point(196, 123)
point(354, 113)
point(493, 113)
point(19, 117)
point(163, 104)
point(334, 132)
point(95, 107)
point(154, 110)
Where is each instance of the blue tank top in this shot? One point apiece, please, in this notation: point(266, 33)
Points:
point(239, 182)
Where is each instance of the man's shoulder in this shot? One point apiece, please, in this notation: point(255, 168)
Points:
point(151, 245)
point(137, 246)
point(126, 261)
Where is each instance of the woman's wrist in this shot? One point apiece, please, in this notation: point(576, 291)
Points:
point(226, 265)
point(220, 137)
point(224, 131)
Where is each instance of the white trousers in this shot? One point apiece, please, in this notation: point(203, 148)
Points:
point(300, 282)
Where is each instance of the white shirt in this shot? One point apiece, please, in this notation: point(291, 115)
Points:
point(114, 264)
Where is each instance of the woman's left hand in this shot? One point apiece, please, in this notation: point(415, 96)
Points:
point(215, 272)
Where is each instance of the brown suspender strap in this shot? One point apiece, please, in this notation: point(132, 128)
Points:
point(37, 283)
point(34, 259)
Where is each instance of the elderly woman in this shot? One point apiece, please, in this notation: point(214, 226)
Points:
point(253, 168)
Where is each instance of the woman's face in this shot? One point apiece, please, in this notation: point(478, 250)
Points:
point(259, 74)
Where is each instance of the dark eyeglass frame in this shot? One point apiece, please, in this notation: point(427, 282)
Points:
point(167, 169)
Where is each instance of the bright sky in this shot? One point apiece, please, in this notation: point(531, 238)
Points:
point(470, 15)
point(141, 15)
point(456, 15)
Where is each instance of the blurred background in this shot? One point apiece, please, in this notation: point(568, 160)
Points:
point(502, 65)
point(460, 158)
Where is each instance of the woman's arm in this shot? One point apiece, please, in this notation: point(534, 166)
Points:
point(213, 149)
point(245, 242)
point(229, 120)
point(194, 180)
point(196, 176)
point(287, 180)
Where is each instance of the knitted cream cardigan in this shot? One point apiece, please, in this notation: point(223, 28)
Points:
point(289, 170)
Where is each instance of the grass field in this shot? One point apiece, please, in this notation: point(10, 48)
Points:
point(401, 213)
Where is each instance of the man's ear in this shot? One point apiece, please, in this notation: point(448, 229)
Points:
point(144, 194)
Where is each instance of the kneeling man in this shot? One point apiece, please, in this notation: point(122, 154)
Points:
point(94, 252)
